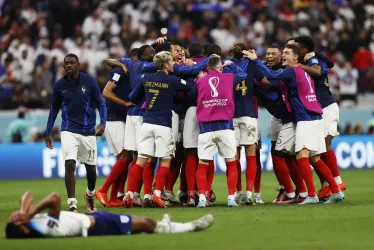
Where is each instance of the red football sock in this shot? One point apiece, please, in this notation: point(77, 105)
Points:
point(295, 174)
point(173, 174)
point(239, 183)
point(325, 171)
point(275, 168)
point(232, 176)
point(258, 174)
point(250, 172)
point(210, 177)
point(135, 175)
point(115, 173)
point(148, 176)
point(114, 190)
point(283, 173)
point(162, 174)
point(191, 166)
point(122, 182)
point(307, 174)
point(201, 177)
point(182, 178)
point(330, 159)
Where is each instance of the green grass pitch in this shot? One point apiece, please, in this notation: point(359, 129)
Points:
point(347, 225)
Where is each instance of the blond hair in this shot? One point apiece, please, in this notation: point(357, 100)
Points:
point(161, 58)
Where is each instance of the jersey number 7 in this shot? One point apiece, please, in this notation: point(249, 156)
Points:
point(155, 95)
point(241, 87)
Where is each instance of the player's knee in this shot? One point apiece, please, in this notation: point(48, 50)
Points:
point(250, 150)
point(314, 159)
point(147, 225)
point(70, 165)
point(55, 197)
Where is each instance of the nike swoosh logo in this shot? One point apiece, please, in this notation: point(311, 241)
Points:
point(64, 91)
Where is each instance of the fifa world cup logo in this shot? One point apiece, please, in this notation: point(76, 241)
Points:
point(213, 83)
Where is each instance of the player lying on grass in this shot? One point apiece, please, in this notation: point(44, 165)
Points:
point(28, 222)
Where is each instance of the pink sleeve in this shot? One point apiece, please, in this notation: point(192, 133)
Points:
point(144, 105)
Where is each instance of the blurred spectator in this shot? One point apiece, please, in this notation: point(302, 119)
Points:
point(20, 127)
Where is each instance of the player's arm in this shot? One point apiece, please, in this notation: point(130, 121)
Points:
point(314, 71)
point(183, 85)
point(111, 85)
point(239, 74)
point(327, 60)
point(123, 63)
point(190, 70)
point(53, 112)
point(99, 101)
point(138, 92)
point(148, 67)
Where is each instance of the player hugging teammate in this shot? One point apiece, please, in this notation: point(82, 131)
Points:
point(175, 111)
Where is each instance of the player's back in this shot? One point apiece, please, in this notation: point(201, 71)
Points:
point(69, 224)
point(160, 89)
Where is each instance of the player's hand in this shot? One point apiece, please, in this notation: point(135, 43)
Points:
point(48, 142)
point(251, 54)
point(125, 69)
point(227, 63)
point(308, 56)
point(20, 218)
point(161, 40)
point(129, 104)
point(99, 130)
point(201, 75)
point(189, 62)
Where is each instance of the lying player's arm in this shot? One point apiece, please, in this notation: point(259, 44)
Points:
point(119, 63)
point(190, 70)
point(138, 92)
point(109, 94)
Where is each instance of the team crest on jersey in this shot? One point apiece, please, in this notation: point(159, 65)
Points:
point(84, 89)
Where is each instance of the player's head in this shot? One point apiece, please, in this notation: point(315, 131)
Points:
point(71, 64)
point(273, 55)
point(176, 52)
point(291, 41)
point(163, 61)
point(13, 231)
point(214, 49)
point(134, 54)
point(291, 55)
point(195, 49)
point(185, 54)
point(305, 44)
point(163, 47)
point(146, 53)
point(215, 63)
point(237, 50)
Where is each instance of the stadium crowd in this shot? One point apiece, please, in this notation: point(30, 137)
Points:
point(36, 34)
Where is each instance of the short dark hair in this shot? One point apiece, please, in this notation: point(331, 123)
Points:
point(214, 49)
point(72, 55)
point(141, 50)
point(195, 49)
point(291, 38)
point(163, 47)
point(296, 50)
point(214, 61)
point(275, 46)
point(13, 231)
point(305, 42)
point(237, 50)
point(206, 47)
point(134, 52)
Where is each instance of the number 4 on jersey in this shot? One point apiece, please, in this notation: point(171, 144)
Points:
point(241, 87)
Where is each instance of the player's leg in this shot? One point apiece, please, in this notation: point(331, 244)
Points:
point(190, 142)
point(87, 153)
point(206, 149)
point(69, 146)
point(239, 195)
point(227, 150)
point(117, 188)
point(257, 195)
point(296, 177)
point(148, 177)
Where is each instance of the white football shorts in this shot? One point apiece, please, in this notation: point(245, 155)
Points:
point(191, 129)
point(286, 139)
point(132, 132)
point(246, 131)
point(275, 128)
point(330, 119)
point(115, 136)
point(156, 141)
point(79, 147)
point(224, 140)
point(310, 135)
point(175, 126)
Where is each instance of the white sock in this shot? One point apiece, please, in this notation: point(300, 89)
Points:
point(163, 227)
point(291, 195)
point(231, 197)
point(136, 194)
point(157, 193)
point(338, 180)
point(325, 184)
point(258, 195)
point(147, 196)
point(131, 194)
point(90, 193)
point(249, 194)
point(202, 197)
point(303, 195)
point(120, 194)
point(72, 202)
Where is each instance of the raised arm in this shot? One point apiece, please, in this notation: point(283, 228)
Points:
point(239, 74)
point(111, 85)
point(190, 70)
point(123, 63)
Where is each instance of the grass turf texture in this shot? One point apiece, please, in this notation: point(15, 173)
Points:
point(347, 225)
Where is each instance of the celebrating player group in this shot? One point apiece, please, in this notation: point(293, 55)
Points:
point(177, 107)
